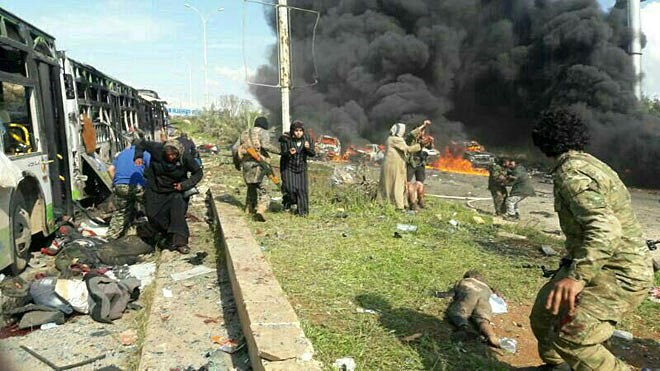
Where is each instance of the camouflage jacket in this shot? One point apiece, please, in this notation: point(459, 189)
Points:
point(419, 158)
point(259, 139)
point(496, 176)
point(602, 232)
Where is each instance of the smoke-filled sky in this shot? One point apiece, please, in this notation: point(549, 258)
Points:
point(481, 69)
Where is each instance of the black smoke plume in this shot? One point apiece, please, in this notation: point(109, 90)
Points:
point(480, 69)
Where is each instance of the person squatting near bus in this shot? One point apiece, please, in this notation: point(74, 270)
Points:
point(607, 272)
point(167, 180)
point(416, 165)
point(128, 187)
point(497, 186)
point(392, 184)
point(257, 198)
point(471, 302)
point(295, 148)
point(521, 188)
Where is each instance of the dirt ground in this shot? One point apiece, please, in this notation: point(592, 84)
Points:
point(643, 351)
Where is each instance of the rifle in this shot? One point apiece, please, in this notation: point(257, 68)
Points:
point(265, 166)
point(652, 245)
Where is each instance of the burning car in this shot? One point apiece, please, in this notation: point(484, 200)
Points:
point(328, 147)
point(477, 154)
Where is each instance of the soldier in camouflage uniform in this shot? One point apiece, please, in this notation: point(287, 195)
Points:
point(258, 137)
point(497, 186)
point(128, 183)
point(607, 272)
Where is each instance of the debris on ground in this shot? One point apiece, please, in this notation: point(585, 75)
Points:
point(406, 227)
point(366, 311)
point(345, 364)
point(198, 270)
point(412, 337)
point(511, 236)
point(625, 335)
point(198, 259)
point(497, 304)
point(509, 345)
point(128, 337)
point(548, 251)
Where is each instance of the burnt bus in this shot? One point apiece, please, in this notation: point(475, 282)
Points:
point(48, 104)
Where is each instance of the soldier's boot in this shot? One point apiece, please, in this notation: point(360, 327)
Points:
point(420, 195)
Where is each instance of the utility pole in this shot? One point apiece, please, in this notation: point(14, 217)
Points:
point(635, 51)
point(205, 20)
point(285, 61)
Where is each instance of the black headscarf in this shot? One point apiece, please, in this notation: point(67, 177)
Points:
point(296, 125)
point(261, 122)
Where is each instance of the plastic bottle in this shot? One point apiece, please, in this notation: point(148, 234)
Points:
point(509, 345)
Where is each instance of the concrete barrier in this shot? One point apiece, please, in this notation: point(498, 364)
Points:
point(271, 327)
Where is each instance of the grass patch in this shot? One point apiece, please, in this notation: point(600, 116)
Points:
point(344, 257)
point(141, 320)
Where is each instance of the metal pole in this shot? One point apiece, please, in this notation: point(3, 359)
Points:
point(634, 24)
point(206, 65)
point(190, 85)
point(205, 48)
point(285, 66)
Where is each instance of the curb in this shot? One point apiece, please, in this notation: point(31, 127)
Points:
point(271, 327)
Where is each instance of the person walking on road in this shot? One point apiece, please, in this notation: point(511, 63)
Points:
point(607, 272)
point(497, 186)
point(258, 138)
point(295, 149)
point(167, 180)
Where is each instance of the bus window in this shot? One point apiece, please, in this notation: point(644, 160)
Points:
point(18, 132)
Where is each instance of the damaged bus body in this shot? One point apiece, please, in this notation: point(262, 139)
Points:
point(48, 103)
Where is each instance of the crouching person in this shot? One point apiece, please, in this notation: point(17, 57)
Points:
point(471, 302)
point(167, 181)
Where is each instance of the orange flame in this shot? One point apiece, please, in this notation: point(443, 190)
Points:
point(455, 163)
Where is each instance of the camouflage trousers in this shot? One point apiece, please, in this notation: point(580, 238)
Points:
point(127, 200)
point(578, 340)
point(511, 204)
point(499, 196)
point(257, 198)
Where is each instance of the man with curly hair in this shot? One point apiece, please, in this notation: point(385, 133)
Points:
point(607, 272)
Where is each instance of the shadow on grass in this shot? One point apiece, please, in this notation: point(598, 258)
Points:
point(520, 250)
point(434, 346)
point(231, 200)
point(640, 353)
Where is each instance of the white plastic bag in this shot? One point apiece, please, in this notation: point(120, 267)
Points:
point(75, 293)
point(10, 174)
point(497, 304)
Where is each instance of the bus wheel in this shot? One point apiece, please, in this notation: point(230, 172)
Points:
point(22, 237)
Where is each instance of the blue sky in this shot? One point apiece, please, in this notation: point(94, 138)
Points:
point(156, 44)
